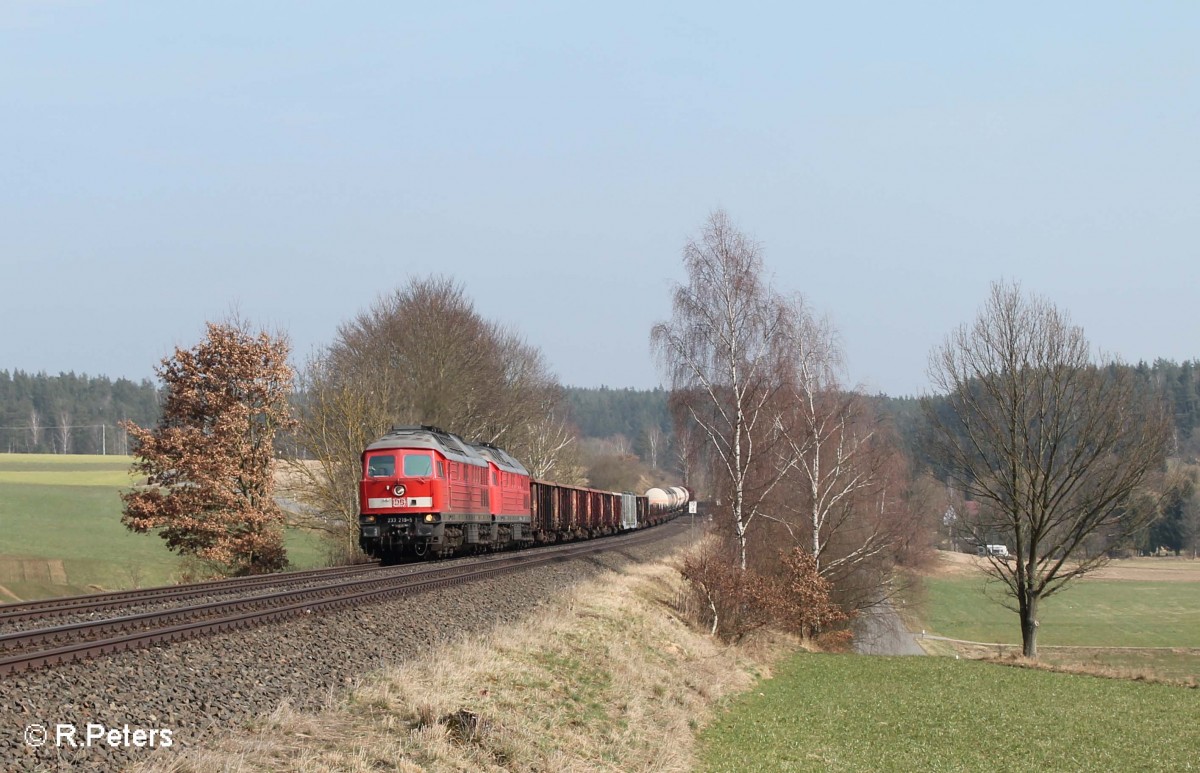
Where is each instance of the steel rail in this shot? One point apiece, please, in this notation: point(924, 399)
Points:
point(63, 605)
point(100, 602)
point(240, 613)
point(18, 639)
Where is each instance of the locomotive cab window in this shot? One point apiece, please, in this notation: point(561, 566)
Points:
point(417, 466)
point(383, 466)
point(441, 469)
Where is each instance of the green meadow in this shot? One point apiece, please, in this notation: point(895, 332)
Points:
point(850, 712)
point(61, 532)
point(855, 713)
point(1097, 613)
point(1131, 627)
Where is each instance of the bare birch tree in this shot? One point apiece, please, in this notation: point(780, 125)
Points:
point(1046, 438)
point(690, 448)
point(655, 439)
point(64, 432)
point(721, 349)
point(35, 428)
point(842, 500)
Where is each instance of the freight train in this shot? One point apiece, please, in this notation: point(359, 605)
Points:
point(425, 492)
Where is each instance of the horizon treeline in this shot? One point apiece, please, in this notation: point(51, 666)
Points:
point(81, 414)
point(71, 414)
point(638, 415)
point(1179, 383)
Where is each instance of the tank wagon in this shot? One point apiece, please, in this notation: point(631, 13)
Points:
point(427, 492)
point(673, 498)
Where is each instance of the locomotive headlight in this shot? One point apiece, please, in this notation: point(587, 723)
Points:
point(429, 518)
point(368, 519)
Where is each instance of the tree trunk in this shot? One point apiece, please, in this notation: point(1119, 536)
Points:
point(741, 536)
point(1029, 624)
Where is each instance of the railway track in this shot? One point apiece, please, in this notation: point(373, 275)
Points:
point(27, 649)
point(100, 602)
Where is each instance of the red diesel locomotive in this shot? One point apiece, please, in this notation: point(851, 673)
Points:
point(427, 492)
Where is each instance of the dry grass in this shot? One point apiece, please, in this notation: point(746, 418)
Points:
point(1081, 666)
point(289, 479)
point(1165, 569)
point(947, 563)
point(606, 678)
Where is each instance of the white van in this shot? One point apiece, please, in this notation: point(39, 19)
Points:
point(1000, 551)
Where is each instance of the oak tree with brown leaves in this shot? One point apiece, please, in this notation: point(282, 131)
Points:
point(209, 463)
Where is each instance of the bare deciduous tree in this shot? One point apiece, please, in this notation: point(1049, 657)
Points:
point(850, 505)
point(64, 432)
point(421, 355)
point(824, 442)
point(1047, 439)
point(35, 427)
point(690, 451)
point(546, 454)
point(802, 463)
point(339, 414)
point(843, 498)
point(722, 350)
point(656, 439)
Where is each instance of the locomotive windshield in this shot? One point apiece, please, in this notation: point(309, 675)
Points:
point(418, 466)
point(383, 466)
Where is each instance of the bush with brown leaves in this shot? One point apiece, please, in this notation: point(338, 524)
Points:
point(731, 602)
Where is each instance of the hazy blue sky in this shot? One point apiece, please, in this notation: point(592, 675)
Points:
point(161, 163)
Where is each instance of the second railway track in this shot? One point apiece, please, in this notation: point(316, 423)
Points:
point(101, 602)
point(23, 650)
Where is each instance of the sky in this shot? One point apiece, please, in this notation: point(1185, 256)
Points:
point(165, 164)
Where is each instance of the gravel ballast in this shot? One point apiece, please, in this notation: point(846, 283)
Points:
point(216, 684)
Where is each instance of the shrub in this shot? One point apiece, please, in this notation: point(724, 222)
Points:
point(731, 602)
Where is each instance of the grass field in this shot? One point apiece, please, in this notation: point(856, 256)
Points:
point(61, 532)
point(851, 713)
point(1100, 614)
